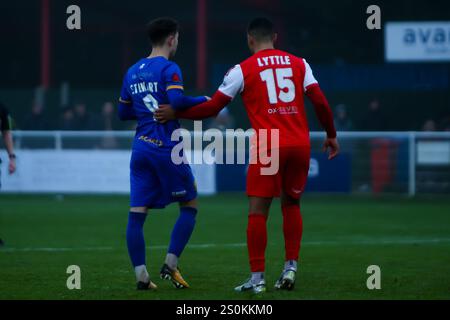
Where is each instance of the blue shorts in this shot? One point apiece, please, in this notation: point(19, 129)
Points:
point(156, 181)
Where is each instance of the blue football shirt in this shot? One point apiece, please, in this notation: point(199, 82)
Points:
point(144, 88)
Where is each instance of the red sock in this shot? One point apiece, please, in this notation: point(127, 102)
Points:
point(292, 229)
point(256, 241)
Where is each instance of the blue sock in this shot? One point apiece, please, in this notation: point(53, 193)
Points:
point(182, 230)
point(135, 238)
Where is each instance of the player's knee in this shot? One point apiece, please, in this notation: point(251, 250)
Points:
point(288, 200)
point(258, 205)
point(192, 203)
point(139, 209)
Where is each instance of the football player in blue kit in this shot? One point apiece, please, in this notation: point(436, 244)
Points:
point(155, 179)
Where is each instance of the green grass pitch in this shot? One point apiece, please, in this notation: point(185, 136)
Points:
point(408, 238)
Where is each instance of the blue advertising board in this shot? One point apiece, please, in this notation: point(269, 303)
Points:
point(329, 175)
point(324, 175)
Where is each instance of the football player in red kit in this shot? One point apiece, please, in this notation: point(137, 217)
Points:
point(272, 84)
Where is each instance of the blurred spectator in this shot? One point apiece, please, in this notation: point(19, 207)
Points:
point(36, 119)
point(429, 125)
point(83, 120)
point(109, 117)
point(375, 120)
point(342, 122)
point(67, 119)
point(223, 121)
point(446, 124)
point(108, 123)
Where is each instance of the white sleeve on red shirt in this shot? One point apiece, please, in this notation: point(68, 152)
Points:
point(309, 77)
point(233, 82)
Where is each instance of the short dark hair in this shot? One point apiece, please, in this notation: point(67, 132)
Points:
point(261, 29)
point(159, 29)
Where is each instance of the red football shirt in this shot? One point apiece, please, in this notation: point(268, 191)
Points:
point(272, 84)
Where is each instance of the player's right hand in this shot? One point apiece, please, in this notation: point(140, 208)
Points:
point(164, 113)
point(12, 166)
point(333, 145)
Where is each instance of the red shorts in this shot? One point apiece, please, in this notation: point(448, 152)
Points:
point(291, 176)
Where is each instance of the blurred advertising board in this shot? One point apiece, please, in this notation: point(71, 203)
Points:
point(417, 41)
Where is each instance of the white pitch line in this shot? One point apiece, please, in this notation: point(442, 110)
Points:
point(242, 244)
point(378, 241)
point(157, 247)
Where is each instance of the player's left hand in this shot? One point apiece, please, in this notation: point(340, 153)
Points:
point(164, 113)
point(333, 145)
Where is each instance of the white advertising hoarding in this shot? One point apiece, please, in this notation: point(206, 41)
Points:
point(433, 153)
point(417, 41)
point(82, 171)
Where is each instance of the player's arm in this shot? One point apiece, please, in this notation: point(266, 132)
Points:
point(175, 90)
point(202, 111)
point(126, 110)
point(206, 109)
point(7, 138)
point(322, 110)
point(179, 101)
point(231, 86)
